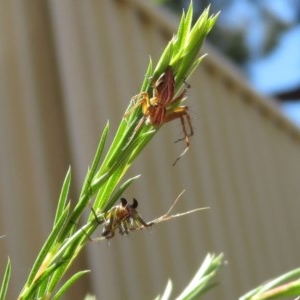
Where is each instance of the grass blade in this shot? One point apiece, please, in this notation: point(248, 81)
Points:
point(201, 282)
point(44, 256)
point(63, 197)
point(68, 284)
point(5, 280)
point(92, 171)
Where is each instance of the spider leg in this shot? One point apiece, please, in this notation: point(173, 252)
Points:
point(96, 217)
point(144, 98)
point(182, 114)
point(145, 103)
point(179, 97)
point(108, 234)
point(184, 128)
point(140, 221)
point(123, 227)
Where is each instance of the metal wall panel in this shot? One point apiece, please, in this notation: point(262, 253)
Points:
point(67, 68)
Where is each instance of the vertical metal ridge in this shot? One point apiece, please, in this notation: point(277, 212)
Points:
point(243, 161)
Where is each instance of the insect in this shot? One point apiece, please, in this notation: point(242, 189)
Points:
point(161, 108)
point(123, 217)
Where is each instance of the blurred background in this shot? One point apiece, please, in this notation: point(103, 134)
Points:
point(69, 66)
point(262, 38)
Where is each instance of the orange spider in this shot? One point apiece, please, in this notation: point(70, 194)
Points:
point(160, 108)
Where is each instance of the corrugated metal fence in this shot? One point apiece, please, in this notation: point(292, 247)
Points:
point(69, 66)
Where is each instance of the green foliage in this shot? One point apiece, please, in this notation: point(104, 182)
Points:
point(285, 285)
point(103, 179)
point(103, 184)
point(5, 281)
point(201, 282)
point(68, 283)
